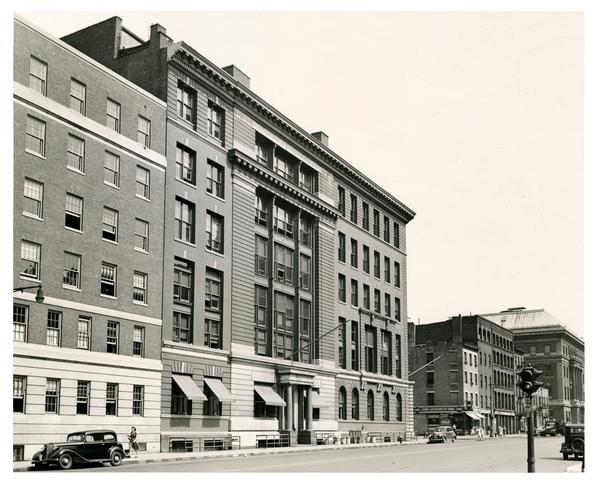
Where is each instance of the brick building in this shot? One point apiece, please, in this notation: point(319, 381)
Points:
point(89, 174)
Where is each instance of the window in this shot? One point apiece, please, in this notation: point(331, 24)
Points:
point(19, 387)
point(306, 180)
point(180, 404)
point(284, 165)
point(212, 295)
point(386, 229)
point(260, 255)
point(186, 103)
point(370, 351)
point(53, 328)
point(214, 232)
point(260, 206)
point(142, 182)
point(353, 253)
point(305, 236)
point(398, 356)
point(370, 405)
point(38, 73)
point(36, 136)
point(399, 407)
point(376, 264)
point(430, 398)
point(144, 131)
point(375, 222)
point(282, 221)
point(140, 288)
point(260, 319)
point(396, 235)
point(52, 395)
point(377, 301)
point(112, 395)
point(284, 264)
point(386, 352)
point(182, 327)
point(138, 400)
point(284, 312)
point(215, 179)
point(386, 407)
point(428, 357)
point(342, 404)
point(212, 333)
point(33, 192)
point(20, 318)
point(112, 337)
point(386, 305)
point(342, 288)
point(108, 280)
point(353, 208)
point(386, 269)
point(430, 377)
point(141, 235)
point(30, 256)
point(261, 409)
point(304, 331)
point(184, 220)
point(365, 216)
point(215, 117)
point(77, 98)
point(76, 154)
point(264, 151)
point(366, 259)
point(110, 224)
point(341, 247)
point(182, 281)
point(366, 296)
point(397, 309)
point(342, 342)
point(138, 341)
point(342, 200)
point(305, 273)
point(355, 405)
point(212, 405)
point(83, 398)
point(354, 292)
point(112, 165)
point(354, 345)
point(397, 274)
point(74, 212)
point(113, 115)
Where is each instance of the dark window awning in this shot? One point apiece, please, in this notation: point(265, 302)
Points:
point(189, 388)
point(219, 389)
point(269, 396)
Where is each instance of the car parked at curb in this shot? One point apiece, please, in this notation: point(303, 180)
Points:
point(441, 434)
point(87, 447)
point(574, 441)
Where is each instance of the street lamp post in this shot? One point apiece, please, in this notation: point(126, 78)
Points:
point(39, 296)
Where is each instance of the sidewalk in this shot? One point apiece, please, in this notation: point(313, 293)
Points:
point(145, 458)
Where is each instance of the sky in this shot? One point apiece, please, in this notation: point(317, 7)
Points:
point(473, 120)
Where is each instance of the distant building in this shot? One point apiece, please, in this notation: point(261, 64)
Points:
point(551, 347)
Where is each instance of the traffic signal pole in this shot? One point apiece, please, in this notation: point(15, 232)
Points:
point(529, 386)
point(530, 447)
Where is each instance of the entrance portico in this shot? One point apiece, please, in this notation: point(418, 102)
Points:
point(297, 420)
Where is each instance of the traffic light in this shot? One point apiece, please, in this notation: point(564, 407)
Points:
point(529, 383)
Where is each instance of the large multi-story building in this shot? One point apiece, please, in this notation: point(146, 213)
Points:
point(268, 336)
point(89, 175)
point(552, 348)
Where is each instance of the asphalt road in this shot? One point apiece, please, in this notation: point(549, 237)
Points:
point(508, 454)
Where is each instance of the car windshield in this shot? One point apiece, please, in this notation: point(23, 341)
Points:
point(75, 438)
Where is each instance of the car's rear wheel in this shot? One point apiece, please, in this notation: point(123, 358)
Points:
point(565, 456)
point(116, 458)
point(65, 461)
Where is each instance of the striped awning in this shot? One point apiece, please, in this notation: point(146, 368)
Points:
point(474, 415)
point(317, 401)
point(219, 389)
point(188, 387)
point(269, 396)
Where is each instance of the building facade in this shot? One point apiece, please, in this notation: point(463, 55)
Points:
point(552, 348)
point(89, 175)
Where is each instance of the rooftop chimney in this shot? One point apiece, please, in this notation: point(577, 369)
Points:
point(238, 75)
point(158, 36)
point(321, 137)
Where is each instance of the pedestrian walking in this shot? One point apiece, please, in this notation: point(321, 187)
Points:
point(479, 433)
point(133, 445)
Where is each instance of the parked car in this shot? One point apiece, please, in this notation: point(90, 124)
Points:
point(551, 428)
point(441, 434)
point(574, 441)
point(92, 446)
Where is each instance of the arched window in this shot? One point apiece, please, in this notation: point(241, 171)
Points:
point(399, 407)
point(342, 404)
point(355, 410)
point(370, 405)
point(386, 406)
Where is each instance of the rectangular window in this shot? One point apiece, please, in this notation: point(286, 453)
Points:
point(138, 400)
point(184, 220)
point(77, 100)
point(386, 229)
point(375, 222)
point(182, 281)
point(74, 212)
point(20, 319)
point(260, 207)
point(215, 177)
point(33, 193)
point(212, 294)
point(19, 387)
point(215, 118)
point(38, 74)
point(365, 216)
point(113, 115)
point(185, 164)
point(305, 236)
point(140, 287)
point(112, 396)
point(377, 300)
point(342, 288)
point(112, 337)
point(52, 395)
point(264, 151)
point(354, 293)
point(353, 208)
point(141, 229)
point(354, 345)
point(83, 333)
point(304, 331)
point(284, 165)
point(366, 296)
point(182, 327)
point(112, 169)
point(110, 224)
point(342, 200)
point(142, 182)
point(214, 232)
point(283, 264)
point(138, 341)
point(370, 351)
point(283, 310)
point(76, 154)
point(386, 269)
point(396, 235)
point(260, 255)
point(186, 103)
point(30, 256)
point(398, 356)
point(144, 131)
point(305, 273)
point(397, 274)
point(260, 306)
point(342, 343)
point(387, 307)
point(353, 253)
point(397, 309)
point(376, 264)
point(430, 398)
point(108, 280)
point(341, 247)
point(366, 259)
point(83, 398)
point(282, 221)
point(306, 180)
point(386, 352)
point(53, 328)
point(36, 136)
point(212, 333)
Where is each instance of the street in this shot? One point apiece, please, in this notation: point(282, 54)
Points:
point(466, 455)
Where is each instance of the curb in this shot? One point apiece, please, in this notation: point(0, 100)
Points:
point(575, 468)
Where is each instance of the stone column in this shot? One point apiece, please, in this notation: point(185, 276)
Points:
point(288, 408)
point(309, 408)
point(300, 408)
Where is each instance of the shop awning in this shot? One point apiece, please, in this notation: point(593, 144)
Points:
point(269, 396)
point(317, 401)
point(473, 415)
point(219, 389)
point(188, 387)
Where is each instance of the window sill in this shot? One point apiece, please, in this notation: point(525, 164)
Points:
point(110, 241)
point(139, 250)
point(108, 297)
point(74, 289)
point(142, 304)
point(72, 169)
point(33, 216)
point(193, 245)
point(74, 230)
point(35, 154)
point(142, 198)
point(218, 198)
point(187, 183)
point(30, 279)
point(213, 252)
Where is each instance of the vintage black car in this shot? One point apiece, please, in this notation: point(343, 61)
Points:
point(442, 434)
point(574, 441)
point(91, 446)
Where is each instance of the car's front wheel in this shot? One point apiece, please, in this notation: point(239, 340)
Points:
point(65, 461)
point(116, 458)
